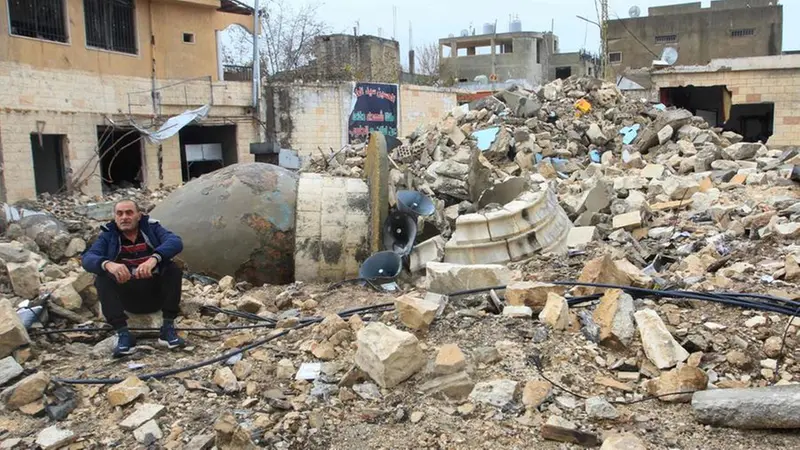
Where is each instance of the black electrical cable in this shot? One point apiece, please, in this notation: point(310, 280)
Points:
point(225, 356)
point(536, 360)
point(45, 332)
point(724, 298)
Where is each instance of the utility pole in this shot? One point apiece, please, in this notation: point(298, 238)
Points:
point(604, 39)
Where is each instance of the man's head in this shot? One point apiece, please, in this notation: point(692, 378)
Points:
point(127, 215)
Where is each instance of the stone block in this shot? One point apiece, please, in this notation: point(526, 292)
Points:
point(444, 278)
point(12, 332)
point(388, 355)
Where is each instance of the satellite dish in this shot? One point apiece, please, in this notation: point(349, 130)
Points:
point(634, 12)
point(669, 55)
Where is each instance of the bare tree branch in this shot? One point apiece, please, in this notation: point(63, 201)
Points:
point(286, 38)
point(427, 57)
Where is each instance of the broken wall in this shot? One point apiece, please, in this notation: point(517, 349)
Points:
point(305, 117)
point(778, 86)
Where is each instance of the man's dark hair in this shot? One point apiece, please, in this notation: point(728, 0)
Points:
point(135, 205)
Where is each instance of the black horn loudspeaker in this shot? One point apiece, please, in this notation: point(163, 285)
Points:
point(415, 202)
point(399, 232)
point(386, 265)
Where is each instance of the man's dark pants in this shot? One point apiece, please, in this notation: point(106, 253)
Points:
point(161, 292)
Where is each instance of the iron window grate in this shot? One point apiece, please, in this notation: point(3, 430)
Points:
point(742, 32)
point(666, 39)
point(40, 19)
point(111, 25)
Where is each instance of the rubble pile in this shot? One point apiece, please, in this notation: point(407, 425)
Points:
point(646, 198)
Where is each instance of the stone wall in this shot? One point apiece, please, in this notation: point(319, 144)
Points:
point(306, 117)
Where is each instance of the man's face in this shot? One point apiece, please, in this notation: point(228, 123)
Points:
point(126, 216)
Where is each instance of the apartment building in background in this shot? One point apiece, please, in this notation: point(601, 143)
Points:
point(725, 29)
point(81, 78)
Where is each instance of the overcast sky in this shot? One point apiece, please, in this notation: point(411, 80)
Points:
point(432, 19)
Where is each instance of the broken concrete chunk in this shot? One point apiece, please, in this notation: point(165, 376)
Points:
point(148, 433)
point(595, 135)
point(628, 221)
point(224, 378)
point(497, 393)
point(53, 437)
point(530, 293)
point(559, 429)
point(388, 355)
point(127, 391)
point(24, 278)
point(63, 294)
point(445, 278)
point(659, 345)
point(431, 250)
point(521, 312)
point(774, 407)
point(686, 379)
point(143, 413)
point(653, 171)
point(415, 312)
point(9, 369)
point(12, 332)
point(555, 312)
point(600, 408)
point(623, 441)
point(741, 151)
point(579, 236)
point(25, 391)
point(665, 134)
point(680, 188)
point(456, 386)
point(536, 392)
point(614, 315)
point(450, 359)
point(602, 270)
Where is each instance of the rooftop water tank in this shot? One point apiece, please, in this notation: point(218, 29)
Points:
point(488, 28)
point(515, 26)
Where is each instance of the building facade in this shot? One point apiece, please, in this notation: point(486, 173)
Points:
point(79, 76)
point(725, 29)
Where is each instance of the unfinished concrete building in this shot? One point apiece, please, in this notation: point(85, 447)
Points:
point(726, 29)
point(79, 76)
point(523, 55)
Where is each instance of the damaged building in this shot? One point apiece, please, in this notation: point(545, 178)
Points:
point(81, 78)
point(754, 97)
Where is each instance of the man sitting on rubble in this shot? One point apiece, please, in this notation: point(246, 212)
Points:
point(132, 259)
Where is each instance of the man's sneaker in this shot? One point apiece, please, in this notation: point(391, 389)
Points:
point(126, 344)
point(169, 337)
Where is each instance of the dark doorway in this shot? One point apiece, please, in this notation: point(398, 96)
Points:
point(711, 103)
point(563, 73)
point(121, 161)
point(754, 121)
point(48, 162)
point(205, 149)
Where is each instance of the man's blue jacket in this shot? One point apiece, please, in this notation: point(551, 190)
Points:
point(165, 244)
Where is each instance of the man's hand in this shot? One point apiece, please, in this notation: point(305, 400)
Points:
point(120, 272)
point(145, 269)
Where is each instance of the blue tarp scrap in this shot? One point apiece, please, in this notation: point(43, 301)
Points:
point(629, 133)
point(486, 137)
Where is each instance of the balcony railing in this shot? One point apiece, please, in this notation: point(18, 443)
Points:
point(237, 73)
